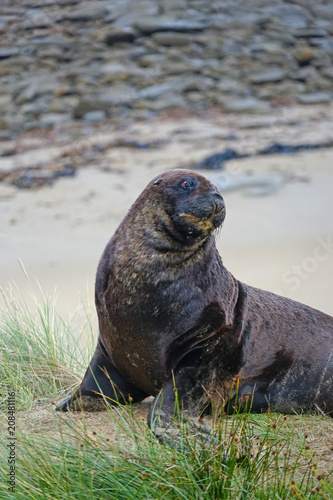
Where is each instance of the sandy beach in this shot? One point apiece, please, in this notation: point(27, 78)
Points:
point(280, 241)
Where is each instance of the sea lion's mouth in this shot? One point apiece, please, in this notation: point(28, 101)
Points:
point(206, 224)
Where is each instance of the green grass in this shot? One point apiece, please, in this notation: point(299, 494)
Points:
point(39, 354)
point(260, 457)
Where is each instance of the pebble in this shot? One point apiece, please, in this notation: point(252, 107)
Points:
point(117, 35)
point(247, 105)
point(87, 11)
point(152, 25)
point(94, 116)
point(171, 38)
point(80, 60)
point(268, 76)
point(315, 98)
point(87, 105)
point(7, 52)
point(310, 33)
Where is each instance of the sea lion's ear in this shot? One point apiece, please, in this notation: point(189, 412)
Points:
point(157, 182)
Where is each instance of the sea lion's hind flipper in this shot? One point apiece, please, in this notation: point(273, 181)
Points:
point(251, 397)
point(101, 382)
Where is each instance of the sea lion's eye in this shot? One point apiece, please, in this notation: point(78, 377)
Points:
point(186, 184)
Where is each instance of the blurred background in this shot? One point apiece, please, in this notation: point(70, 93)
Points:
point(98, 97)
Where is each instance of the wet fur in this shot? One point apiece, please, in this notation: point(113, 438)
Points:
point(170, 313)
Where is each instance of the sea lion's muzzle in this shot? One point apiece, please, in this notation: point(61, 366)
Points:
point(208, 216)
point(218, 204)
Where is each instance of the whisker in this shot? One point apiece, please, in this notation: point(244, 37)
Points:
point(217, 233)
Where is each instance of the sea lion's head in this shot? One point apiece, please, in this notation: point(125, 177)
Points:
point(192, 206)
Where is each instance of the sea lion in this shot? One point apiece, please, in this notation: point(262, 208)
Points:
point(172, 318)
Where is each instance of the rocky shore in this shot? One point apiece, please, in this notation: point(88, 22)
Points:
point(85, 62)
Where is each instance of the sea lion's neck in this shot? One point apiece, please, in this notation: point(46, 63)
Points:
point(150, 264)
point(153, 251)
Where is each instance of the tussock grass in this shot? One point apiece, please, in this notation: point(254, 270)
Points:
point(260, 457)
point(39, 354)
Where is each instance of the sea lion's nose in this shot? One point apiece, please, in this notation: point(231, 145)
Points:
point(218, 203)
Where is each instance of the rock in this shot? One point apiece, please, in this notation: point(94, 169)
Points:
point(6, 135)
point(233, 86)
point(267, 47)
point(200, 85)
point(63, 104)
point(94, 116)
point(117, 71)
point(293, 16)
point(328, 72)
point(155, 91)
point(56, 40)
point(167, 101)
point(194, 97)
point(323, 11)
point(310, 33)
point(174, 5)
point(325, 44)
point(3, 124)
point(147, 26)
point(151, 60)
point(247, 105)
point(268, 76)
point(36, 19)
point(282, 36)
point(5, 104)
point(123, 95)
point(36, 86)
point(5, 20)
point(88, 11)
point(320, 84)
point(283, 89)
point(217, 160)
point(117, 35)
point(286, 149)
point(86, 105)
point(135, 52)
point(28, 94)
point(171, 38)
point(63, 3)
point(127, 12)
point(51, 119)
point(213, 69)
point(316, 98)
point(35, 108)
point(304, 55)
point(56, 53)
point(176, 68)
point(38, 178)
point(6, 52)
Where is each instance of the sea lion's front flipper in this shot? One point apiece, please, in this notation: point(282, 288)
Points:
point(102, 382)
point(183, 399)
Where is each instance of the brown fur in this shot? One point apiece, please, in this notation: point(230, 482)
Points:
point(169, 312)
